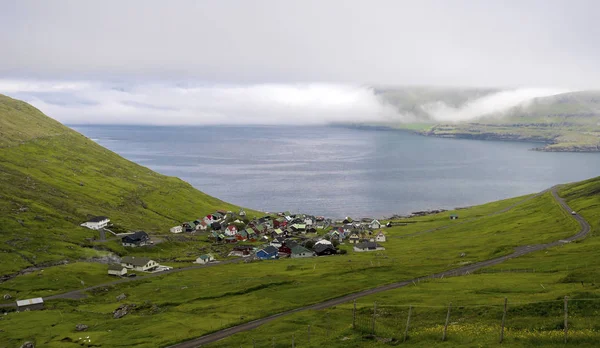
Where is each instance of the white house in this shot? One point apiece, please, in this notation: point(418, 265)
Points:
point(380, 237)
point(96, 223)
point(204, 259)
point(242, 212)
point(30, 304)
point(230, 231)
point(142, 264)
point(276, 243)
point(375, 225)
point(202, 226)
point(176, 229)
point(208, 219)
point(354, 238)
point(308, 221)
point(117, 269)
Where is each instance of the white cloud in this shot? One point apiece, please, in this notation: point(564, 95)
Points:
point(493, 104)
point(96, 102)
point(169, 104)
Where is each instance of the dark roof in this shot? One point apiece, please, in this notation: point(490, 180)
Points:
point(291, 243)
point(115, 267)
point(98, 219)
point(298, 249)
point(271, 250)
point(243, 247)
point(368, 245)
point(136, 261)
point(139, 236)
point(320, 247)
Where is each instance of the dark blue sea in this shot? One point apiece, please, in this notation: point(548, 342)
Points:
point(340, 172)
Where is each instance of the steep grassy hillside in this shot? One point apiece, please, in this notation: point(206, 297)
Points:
point(53, 178)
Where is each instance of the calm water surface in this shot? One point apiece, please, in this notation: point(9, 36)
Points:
point(338, 171)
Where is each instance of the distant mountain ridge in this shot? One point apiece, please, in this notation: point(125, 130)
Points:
point(567, 121)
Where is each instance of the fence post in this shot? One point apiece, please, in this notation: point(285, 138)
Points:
point(566, 318)
point(374, 313)
point(293, 343)
point(447, 320)
point(253, 343)
point(503, 320)
point(354, 316)
point(308, 333)
point(407, 324)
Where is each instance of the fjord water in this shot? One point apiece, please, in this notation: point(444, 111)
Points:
point(340, 172)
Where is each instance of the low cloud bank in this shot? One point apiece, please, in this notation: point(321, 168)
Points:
point(495, 104)
point(89, 102)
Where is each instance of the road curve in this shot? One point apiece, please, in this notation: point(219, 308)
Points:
point(464, 221)
point(520, 251)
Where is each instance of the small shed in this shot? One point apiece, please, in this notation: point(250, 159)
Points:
point(176, 229)
point(117, 269)
point(204, 259)
point(380, 237)
point(30, 304)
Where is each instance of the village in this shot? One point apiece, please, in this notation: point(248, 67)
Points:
point(270, 237)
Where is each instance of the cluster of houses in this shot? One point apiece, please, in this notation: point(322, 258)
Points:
point(217, 221)
point(281, 248)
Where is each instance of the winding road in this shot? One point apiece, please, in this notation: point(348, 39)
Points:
point(520, 251)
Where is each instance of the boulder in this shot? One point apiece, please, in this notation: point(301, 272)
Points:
point(121, 297)
point(27, 345)
point(122, 311)
point(81, 327)
point(7, 296)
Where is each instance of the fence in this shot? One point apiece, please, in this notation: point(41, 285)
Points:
point(565, 320)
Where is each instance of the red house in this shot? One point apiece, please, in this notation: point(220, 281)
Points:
point(284, 251)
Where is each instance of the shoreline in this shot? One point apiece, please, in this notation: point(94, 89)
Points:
point(550, 145)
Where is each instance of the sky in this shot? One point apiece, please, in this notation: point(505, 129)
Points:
point(211, 62)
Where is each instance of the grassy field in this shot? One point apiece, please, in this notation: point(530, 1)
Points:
point(188, 304)
point(534, 285)
point(52, 179)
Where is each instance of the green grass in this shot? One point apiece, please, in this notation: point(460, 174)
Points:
point(230, 294)
point(62, 179)
point(534, 284)
point(52, 179)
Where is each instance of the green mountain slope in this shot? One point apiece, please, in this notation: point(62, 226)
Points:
point(53, 178)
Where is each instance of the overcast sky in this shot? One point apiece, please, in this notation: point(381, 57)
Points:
point(317, 54)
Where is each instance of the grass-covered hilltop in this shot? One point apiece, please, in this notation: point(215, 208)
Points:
point(533, 251)
point(567, 121)
point(52, 179)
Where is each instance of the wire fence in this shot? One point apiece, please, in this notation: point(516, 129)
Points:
point(563, 320)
